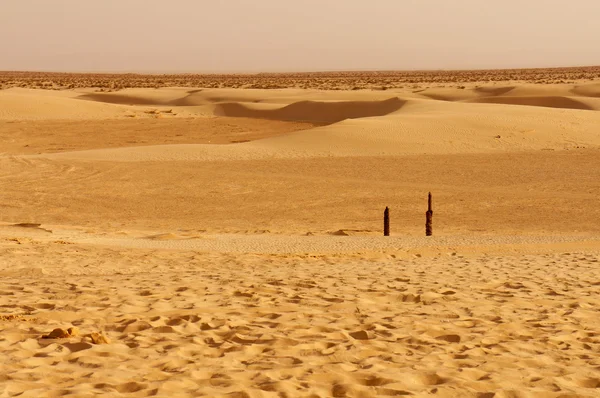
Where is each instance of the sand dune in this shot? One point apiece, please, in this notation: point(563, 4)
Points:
point(421, 128)
point(356, 128)
point(25, 104)
point(552, 96)
point(193, 96)
point(181, 253)
point(294, 104)
point(29, 105)
point(418, 127)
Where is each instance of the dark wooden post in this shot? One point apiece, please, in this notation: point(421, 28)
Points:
point(429, 218)
point(386, 222)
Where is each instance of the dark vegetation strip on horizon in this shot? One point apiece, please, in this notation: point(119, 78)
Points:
point(314, 80)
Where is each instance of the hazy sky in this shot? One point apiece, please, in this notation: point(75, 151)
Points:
point(295, 35)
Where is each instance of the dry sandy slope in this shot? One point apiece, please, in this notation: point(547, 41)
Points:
point(418, 127)
point(364, 123)
point(18, 103)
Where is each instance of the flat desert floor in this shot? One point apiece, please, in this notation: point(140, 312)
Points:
point(228, 242)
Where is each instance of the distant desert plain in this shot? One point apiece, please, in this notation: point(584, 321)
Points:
point(222, 235)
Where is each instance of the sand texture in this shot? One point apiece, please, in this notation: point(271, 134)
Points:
point(226, 242)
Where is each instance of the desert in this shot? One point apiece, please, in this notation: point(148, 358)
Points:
point(222, 235)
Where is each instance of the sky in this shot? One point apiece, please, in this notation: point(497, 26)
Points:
point(228, 36)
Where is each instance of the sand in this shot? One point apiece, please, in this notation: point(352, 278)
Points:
point(227, 242)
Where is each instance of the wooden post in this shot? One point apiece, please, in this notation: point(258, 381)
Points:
point(386, 222)
point(429, 218)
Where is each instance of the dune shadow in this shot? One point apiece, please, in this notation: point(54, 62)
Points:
point(482, 91)
point(34, 226)
point(541, 101)
point(124, 99)
point(121, 99)
point(493, 91)
point(592, 91)
point(314, 111)
point(439, 97)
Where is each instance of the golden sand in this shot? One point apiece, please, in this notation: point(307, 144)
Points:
point(226, 242)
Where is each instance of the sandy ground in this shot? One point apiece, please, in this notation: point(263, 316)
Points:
point(228, 242)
